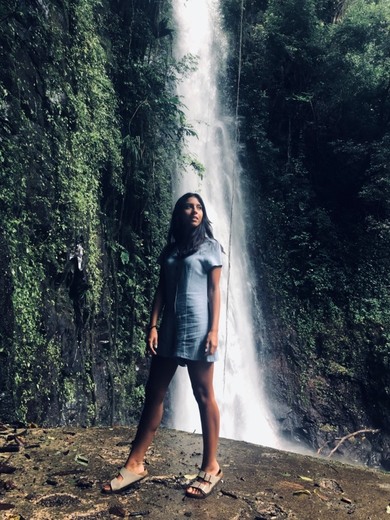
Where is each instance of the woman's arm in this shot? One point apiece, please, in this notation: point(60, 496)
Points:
point(214, 297)
point(158, 304)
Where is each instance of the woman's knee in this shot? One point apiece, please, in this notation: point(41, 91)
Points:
point(201, 375)
point(203, 394)
point(155, 392)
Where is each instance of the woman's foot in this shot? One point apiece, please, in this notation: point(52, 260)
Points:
point(127, 477)
point(204, 484)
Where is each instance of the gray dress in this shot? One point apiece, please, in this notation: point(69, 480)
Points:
point(186, 316)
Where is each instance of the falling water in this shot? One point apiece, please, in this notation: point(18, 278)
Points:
point(239, 391)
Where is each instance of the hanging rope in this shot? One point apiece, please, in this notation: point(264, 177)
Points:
point(234, 182)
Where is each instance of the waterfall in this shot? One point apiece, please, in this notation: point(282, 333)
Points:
point(240, 395)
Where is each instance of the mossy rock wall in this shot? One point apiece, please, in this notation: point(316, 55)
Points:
point(89, 139)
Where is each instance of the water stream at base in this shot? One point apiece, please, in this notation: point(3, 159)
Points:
point(244, 414)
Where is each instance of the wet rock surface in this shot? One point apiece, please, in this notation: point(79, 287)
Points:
point(58, 474)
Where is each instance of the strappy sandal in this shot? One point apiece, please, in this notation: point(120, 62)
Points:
point(128, 479)
point(205, 483)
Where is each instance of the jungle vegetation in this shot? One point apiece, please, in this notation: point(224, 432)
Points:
point(315, 108)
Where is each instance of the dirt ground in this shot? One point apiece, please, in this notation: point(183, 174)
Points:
point(57, 474)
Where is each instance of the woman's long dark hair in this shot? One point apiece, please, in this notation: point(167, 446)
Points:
point(178, 236)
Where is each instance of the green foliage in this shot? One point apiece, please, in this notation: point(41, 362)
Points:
point(91, 132)
point(314, 98)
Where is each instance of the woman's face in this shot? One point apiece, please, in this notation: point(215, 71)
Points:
point(193, 212)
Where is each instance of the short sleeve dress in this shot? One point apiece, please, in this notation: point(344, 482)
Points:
point(186, 316)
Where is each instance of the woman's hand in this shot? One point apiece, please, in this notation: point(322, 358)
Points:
point(152, 341)
point(211, 343)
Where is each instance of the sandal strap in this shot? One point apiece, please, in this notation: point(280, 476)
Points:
point(202, 486)
point(125, 473)
point(207, 477)
point(205, 483)
point(128, 478)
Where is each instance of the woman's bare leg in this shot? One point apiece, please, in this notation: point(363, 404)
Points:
point(201, 374)
point(161, 373)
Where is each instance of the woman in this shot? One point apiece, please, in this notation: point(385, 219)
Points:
point(188, 295)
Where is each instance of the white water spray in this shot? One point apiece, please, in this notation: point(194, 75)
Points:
point(239, 391)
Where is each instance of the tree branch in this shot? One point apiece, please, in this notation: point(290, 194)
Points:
point(346, 437)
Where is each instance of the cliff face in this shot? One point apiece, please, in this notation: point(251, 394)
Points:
point(56, 147)
point(84, 165)
point(320, 408)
